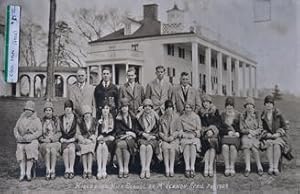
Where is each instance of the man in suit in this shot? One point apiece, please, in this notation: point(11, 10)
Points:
point(133, 91)
point(106, 92)
point(184, 93)
point(159, 90)
point(81, 93)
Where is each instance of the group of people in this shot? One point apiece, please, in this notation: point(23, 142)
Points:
point(162, 122)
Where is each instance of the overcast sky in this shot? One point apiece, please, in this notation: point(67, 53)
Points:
point(274, 44)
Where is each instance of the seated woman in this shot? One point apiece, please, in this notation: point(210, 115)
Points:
point(251, 129)
point(105, 140)
point(27, 131)
point(168, 133)
point(50, 145)
point(147, 133)
point(230, 135)
point(68, 125)
point(86, 135)
point(125, 137)
point(210, 120)
point(274, 132)
point(190, 130)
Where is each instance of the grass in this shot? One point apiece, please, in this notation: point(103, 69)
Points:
point(288, 182)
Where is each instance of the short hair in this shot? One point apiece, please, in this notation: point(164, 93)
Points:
point(160, 67)
point(81, 69)
point(131, 69)
point(106, 68)
point(184, 74)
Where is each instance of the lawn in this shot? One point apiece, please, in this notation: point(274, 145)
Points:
point(287, 182)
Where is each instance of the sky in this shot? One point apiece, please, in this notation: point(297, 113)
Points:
point(273, 44)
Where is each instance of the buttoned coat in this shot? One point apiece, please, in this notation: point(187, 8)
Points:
point(159, 93)
point(193, 98)
point(135, 96)
point(80, 97)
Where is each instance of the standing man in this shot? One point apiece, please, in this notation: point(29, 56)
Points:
point(185, 94)
point(106, 92)
point(82, 93)
point(133, 91)
point(159, 90)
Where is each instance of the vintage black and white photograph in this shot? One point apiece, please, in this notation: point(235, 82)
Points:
point(150, 96)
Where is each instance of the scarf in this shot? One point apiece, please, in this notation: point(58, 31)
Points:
point(107, 123)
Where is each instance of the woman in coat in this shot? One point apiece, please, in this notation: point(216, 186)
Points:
point(86, 135)
point(190, 129)
point(230, 135)
point(274, 133)
point(210, 120)
point(125, 137)
point(168, 133)
point(147, 133)
point(49, 141)
point(27, 131)
point(68, 125)
point(105, 140)
point(251, 129)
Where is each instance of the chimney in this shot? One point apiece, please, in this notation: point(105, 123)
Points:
point(150, 11)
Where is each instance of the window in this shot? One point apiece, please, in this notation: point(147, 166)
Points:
point(202, 59)
point(135, 47)
point(181, 52)
point(170, 48)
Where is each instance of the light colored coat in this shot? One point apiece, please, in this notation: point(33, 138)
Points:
point(135, 96)
point(80, 97)
point(159, 94)
point(28, 129)
point(193, 98)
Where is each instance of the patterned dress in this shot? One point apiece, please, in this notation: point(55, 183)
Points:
point(190, 125)
point(250, 123)
point(87, 131)
point(50, 136)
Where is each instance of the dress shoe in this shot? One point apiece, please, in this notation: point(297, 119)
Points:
point(247, 173)
point(260, 172)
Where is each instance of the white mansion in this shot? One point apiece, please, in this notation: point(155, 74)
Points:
point(214, 68)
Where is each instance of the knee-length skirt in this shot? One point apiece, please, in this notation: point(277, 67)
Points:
point(131, 144)
point(194, 141)
point(52, 146)
point(31, 150)
point(153, 142)
point(86, 148)
point(250, 142)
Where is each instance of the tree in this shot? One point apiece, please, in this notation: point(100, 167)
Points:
point(115, 18)
point(51, 51)
point(277, 93)
point(32, 41)
point(65, 52)
point(89, 23)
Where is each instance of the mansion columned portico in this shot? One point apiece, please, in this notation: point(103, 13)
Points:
point(214, 68)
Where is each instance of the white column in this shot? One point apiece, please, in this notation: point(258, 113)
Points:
point(18, 88)
point(208, 69)
point(126, 69)
point(113, 73)
point(141, 77)
point(255, 82)
point(229, 76)
point(195, 63)
point(220, 73)
point(88, 74)
point(237, 77)
point(65, 88)
point(244, 93)
point(250, 81)
point(31, 88)
point(99, 73)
